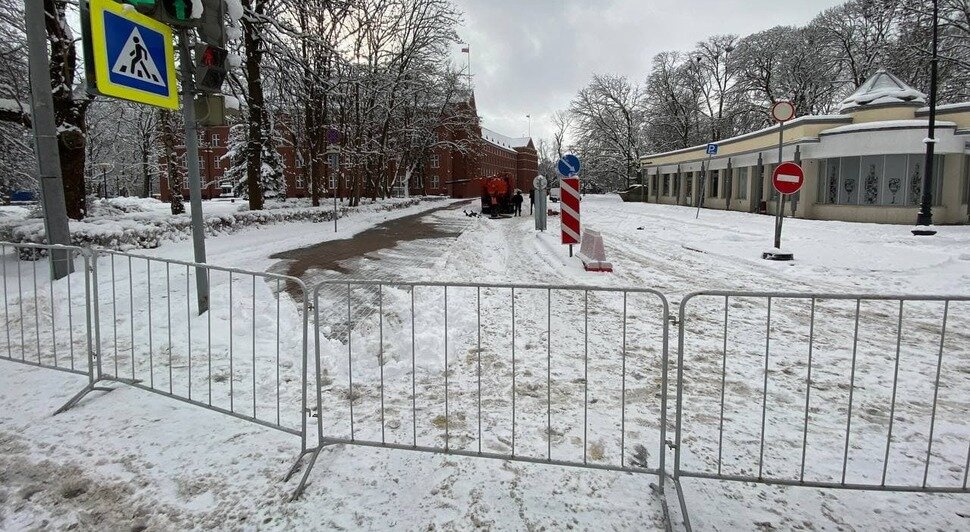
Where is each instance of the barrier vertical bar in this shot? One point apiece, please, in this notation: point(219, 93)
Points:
point(478, 312)
point(892, 402)
point(50, 286)
point(168, 304)
point(447, 424)
point(279, 296)
point(549, 374)
point(151, 346)
point(764, 393)
point(848, 422)
point(91, 290)
point(6, 302)
point(720, 426)
point(350, 366)
point(114, 311)
point(808, 387)
point(414, 391)
point(585, 371)
point(232, 395)
point(254, 345)
point(623, 389)
point(664, 365)
point(37, 311)
point(513, 371)
point(188, 325)
point(131, 314)
point(380, 352)
point(936, 391)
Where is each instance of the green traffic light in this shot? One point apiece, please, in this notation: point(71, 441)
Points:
point(181, 9)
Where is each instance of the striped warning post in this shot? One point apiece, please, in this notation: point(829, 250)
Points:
point(569, 204)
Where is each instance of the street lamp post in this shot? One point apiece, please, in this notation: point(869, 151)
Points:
point(333, 159)
point(924, 219)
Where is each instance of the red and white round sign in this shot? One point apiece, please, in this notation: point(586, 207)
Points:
point(788, 178)
point(783, 111)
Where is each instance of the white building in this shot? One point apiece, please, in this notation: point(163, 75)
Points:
point(864, 164)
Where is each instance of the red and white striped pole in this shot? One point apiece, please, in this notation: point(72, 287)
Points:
point(569, 220)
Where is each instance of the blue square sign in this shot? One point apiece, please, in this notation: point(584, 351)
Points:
point(133, 55)
point(712, 149)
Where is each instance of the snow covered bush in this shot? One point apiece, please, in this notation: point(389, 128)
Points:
point(142, 228)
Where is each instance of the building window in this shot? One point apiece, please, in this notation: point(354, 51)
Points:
point(666, 185)
point(435, 181)
point(215, 140)
point(419, 181)
point(202, 163)
point(226, 187)
point(742, 180)
point(332, 181)
point(217, 162)
point(689, 187)
point(715, 177)
point(300, 182)
point(653, 183)
point(877, 180)
point(435, 161)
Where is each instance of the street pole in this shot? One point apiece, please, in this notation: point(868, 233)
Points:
point(924, 219)
point(780, 204)
point(192, 162)
point(701, 185)
point(45, 140)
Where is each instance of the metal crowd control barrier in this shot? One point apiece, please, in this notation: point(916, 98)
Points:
point(547, 377)
point(825, 390)
point(237, 359)
point(46, 322)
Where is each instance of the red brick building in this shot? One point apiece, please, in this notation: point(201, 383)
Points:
point(447, 171)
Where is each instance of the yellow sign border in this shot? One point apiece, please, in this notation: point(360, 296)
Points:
point(102, 68)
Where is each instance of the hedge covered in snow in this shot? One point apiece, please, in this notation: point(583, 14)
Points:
point(132, 223)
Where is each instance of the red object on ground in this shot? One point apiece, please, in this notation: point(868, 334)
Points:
point(569, 205)
point(788, 178)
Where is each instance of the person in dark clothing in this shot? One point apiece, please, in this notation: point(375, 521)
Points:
point(532, 200)
point(517, 202)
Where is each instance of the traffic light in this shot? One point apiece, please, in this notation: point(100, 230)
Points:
point(175, 13)
point(210, 67)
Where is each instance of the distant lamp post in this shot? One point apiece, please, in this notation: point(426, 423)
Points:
point(333, 160)
point(924, 220)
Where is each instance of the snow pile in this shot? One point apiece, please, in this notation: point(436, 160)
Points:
point(132, 224)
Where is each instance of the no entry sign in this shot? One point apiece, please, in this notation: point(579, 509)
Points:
point(788, 178)
point(569, 205)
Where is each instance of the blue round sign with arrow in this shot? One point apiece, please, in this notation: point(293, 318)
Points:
point(569, 165)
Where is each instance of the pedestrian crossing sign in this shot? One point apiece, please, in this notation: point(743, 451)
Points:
point(133, 55)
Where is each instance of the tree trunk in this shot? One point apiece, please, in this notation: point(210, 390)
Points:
point(172, 172)
point(254, 85)
point(69, 112)
point(146, 174)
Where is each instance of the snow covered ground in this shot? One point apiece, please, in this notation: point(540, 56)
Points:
point(130, 458)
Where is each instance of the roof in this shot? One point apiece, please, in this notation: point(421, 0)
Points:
point(882, 89)
point(500, 140)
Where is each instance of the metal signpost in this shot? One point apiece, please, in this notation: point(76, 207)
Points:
point(333, 160)
point(45, 141)
point(131, 55)
point(569, 167)
point(711, 152)
point(782, 112)
point(539, 185)
point(787, 179)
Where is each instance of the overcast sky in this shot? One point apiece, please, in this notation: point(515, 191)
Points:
point(532, 56)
